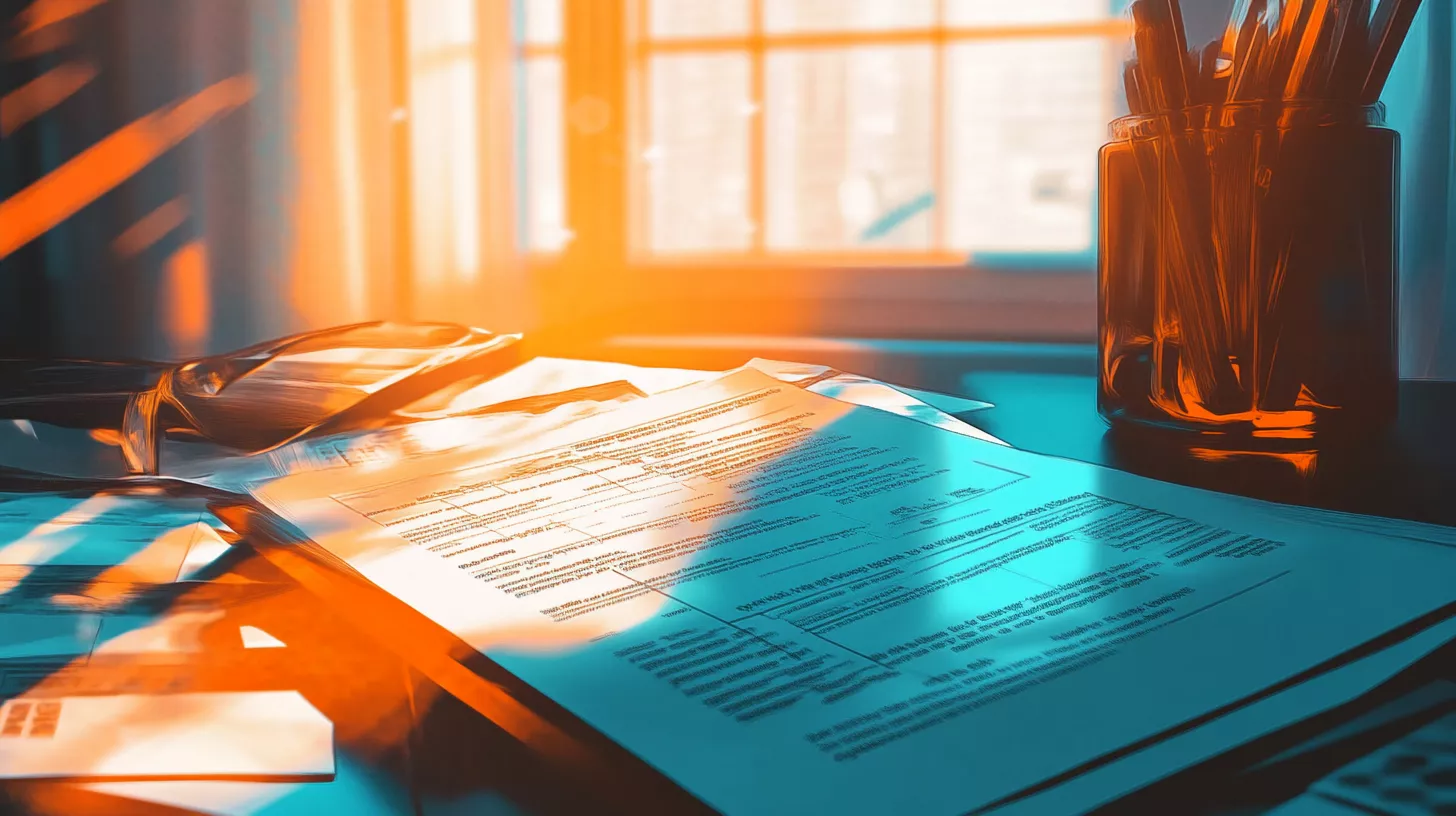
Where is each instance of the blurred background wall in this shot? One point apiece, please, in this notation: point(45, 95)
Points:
point(187, 176)
point(1420, 107)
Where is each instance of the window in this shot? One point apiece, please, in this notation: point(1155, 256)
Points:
point(818, 166)
point(917, 130)
point(540, 183)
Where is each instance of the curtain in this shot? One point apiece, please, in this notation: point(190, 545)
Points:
point(122, 225)
point(1418, 98)
point(404, 205)
point(181, 177)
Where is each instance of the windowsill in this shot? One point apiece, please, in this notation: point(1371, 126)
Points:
point(962, 303)
point(937, 365)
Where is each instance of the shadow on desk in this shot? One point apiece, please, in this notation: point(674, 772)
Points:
point(1045, 397)
point(1403, 471)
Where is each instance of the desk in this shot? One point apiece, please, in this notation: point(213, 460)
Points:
point(1045, 398)
point(1407, 471)
point(449, 760)
point(1045, 402)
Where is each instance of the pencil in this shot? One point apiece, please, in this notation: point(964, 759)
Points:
point(1136, 105)
point(1214, 74)
point(1304, 67)
point(1351, 55)
point(1249, 72)
point(1283, 45)
point(1234, 40)
point(1161, 50)
point(1163, 57)
point(1388, 29)
point(1238, 37)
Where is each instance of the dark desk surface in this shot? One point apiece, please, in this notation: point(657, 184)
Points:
point(1045, 398)
point(1406, 471)
point(459, 763)
point(1045, 402)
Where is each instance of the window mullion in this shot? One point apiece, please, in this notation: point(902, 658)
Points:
point(938, 135)
point(639, 57)
point(756, 140)
point(591, 279)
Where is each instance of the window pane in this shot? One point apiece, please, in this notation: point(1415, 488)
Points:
point(543, 186)
point(830, 15)
point(849, 148)
point(697, 18)
point(697, 154)
point(437, 25)
point(1024, 124)
point(541, 23)
point(444, 145)
point(1002, 12)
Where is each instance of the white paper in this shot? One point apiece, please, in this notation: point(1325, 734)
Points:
point(542, 386)
point(787, 604)
point(47, 636)
point(549, 375)
point(218, 734)
point(356, 788)
point(134, 538)
point(1408, 777)
point(1425, 698)
point(829, 378)
point(1379, 525)
point(1259, 719)
point(1314, 805)
point(174, 633)
point(66, 560)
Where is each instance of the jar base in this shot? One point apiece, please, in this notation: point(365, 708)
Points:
point(1265, 432)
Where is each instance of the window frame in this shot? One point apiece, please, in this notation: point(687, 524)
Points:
point(862, 293)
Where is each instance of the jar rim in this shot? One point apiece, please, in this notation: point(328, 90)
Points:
point(1282, 112)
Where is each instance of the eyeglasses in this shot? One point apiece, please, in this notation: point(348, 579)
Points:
point(346, 378)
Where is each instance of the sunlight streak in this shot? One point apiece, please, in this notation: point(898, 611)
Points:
point(29, 213)
point(43, 13)
point(43, 93)
point(152, 228)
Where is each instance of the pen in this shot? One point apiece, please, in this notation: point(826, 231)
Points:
point(1133, 87)
point(1234, 40)
point(1215, 74)
point(1388, 29)
point(1249, 69)
point(1163, 58)
point(1238, 37)
point(1313, 32)
point(1284, 44)
point(1350, 53)
point(1162, 50)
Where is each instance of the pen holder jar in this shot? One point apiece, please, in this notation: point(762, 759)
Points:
point(1247, 269)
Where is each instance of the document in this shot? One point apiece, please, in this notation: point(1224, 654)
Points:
point(786, 603)
point(355, 787)
point(554, 375)
point(1259, 719)
point(86, 575)
point(213, 734)
point(1409, 777)
point(123, 538)
point(525, 402)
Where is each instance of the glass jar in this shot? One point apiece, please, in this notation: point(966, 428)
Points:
point(1247, 269)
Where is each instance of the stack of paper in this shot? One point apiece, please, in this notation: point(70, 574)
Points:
point(80, 574)
point(788, 603)
point(105, 613)
point(523, 403)
point(1414, 776)
point(220, 734)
